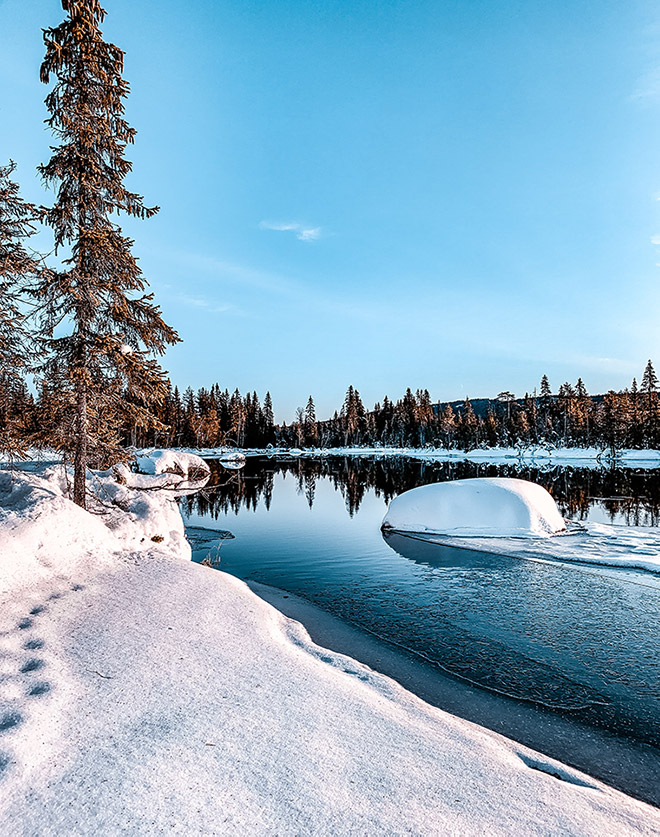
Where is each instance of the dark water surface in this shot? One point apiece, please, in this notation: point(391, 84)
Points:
point(576, 641)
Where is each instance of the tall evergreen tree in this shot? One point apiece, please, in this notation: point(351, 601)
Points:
point(116, 328)
point(268, 419)
point(649, 383)
point(311, 434)
point(17, 268)
point(649, 387)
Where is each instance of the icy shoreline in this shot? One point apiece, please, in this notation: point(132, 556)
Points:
point(531, 455)
point(140, 692)
point(535, 455)
point(629, 767)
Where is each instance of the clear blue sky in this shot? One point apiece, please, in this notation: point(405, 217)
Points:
point(450, 194)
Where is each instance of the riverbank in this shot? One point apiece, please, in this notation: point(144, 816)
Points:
point(531, 454)
point(141, 693)
point(633, 768)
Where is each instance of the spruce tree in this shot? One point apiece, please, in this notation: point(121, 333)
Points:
point(649, 381)
point(649, 387)
point(546, 392)
point(268, 420)
point(311, 434)
point(115, 329)
point(17, 269)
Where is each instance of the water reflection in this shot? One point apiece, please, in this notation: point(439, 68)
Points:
point(617, 495)
point(437, 555)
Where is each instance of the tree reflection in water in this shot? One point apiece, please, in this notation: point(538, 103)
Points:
point(628, 496)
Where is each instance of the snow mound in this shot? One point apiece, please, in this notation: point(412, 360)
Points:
point(43, 532)
point(232, 456)
point(486, 506)
point(182, 463)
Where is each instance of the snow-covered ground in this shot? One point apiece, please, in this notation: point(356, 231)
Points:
point(141, 693)
point(536, 454)
point(532, 454)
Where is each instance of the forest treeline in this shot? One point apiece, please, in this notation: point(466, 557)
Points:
point(213, 417)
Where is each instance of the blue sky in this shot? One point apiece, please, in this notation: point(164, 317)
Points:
point(453, 195)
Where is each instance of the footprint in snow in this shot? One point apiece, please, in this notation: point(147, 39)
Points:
point(32, 665)
point(10, 720)
point(39, 689)
point(34, 644)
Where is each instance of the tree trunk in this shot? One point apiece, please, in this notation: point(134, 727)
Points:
point(80, 453)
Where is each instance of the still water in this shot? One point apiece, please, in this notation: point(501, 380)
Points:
point(572, 639)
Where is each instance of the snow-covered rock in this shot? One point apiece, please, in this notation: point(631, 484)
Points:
point(233, 464)
point(169, 461)
point(232, 456)
point(487, 506)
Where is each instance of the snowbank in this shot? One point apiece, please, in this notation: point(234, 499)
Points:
point(490, 506)
point(169, 461)
point(43, 533)
point(534, 455)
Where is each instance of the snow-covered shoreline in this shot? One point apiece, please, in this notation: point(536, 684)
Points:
point(620, 763)
point(142, 693)
point(534, 455)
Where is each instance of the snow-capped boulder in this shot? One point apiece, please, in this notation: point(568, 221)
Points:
point(232, 456)
point(486, 506)
point(169, 461)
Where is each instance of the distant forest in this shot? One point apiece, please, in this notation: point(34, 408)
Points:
point(214, 417)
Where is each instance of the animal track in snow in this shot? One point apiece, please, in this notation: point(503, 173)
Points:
point(39, 689)
point(32, 665)
point(10, 720)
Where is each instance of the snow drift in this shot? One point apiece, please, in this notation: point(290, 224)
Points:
point(168, 461)
point(43, 532)
point(486, 506)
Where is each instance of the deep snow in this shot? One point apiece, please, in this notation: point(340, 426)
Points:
point(142, 693)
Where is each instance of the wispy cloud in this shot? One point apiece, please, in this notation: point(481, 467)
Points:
point(655, 239)
point(309, 235)
point(199, 302)
point(271, 225)
point(302, 232)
